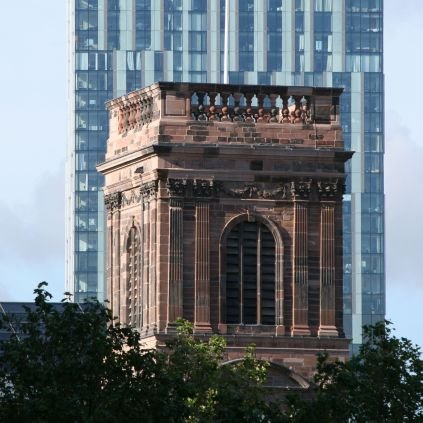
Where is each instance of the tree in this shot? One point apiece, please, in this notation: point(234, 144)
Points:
point(62, 363)
point(204, 390)
point(382, 383)
point(78, 364)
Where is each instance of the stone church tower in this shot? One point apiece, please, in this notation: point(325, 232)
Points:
point(224, 207)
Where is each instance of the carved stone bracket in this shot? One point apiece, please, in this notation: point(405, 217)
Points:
point(300, 190)
point(113, 201)
point(148, 190)
point(203, 188)
point(331, 189)
point(177, 187)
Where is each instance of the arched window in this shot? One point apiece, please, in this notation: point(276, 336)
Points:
point(133, 289)
point(250, 275)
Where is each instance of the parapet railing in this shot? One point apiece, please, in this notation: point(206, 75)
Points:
point(227, 103)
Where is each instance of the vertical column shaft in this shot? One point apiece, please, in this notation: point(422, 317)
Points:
point(114, 291)
point(110, 276)
point(175, 259)
point(119, 304)
point(140, 299)
point(146, 263)
point(153, 305)
point(300, 277)
point(202, 266)
point(327, 271)
point(279, 293)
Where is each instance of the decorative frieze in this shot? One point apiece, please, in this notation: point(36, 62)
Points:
point(288, 190)
point(130, 197)
point(264, 191)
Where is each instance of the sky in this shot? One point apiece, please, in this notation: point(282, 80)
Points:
point(33, 122)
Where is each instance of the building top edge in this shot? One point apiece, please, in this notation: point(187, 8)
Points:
point(212, 88)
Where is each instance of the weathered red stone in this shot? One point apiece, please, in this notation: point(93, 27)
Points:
point(184, 173)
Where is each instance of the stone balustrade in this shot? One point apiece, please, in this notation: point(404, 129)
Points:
point(225, 103)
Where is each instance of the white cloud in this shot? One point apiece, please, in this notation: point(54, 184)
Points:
point(33, 121)
point(404, 203)
point(34, 229)
point(32, 240)
point(403, 166)
point(403, 32)
point(404, 228)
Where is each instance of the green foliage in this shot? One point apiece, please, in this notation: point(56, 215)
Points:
point(64, 362)
point(76, 364)
point(382, 383)
point(79, 365)
point(202, 390)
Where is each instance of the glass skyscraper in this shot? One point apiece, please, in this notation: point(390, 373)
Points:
point(118, 46)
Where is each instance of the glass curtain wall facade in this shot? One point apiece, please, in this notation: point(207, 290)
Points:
point(118, 46)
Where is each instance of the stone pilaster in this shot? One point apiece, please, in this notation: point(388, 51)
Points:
point(327, 325)
point(140, 297)
point(300, 277)
point(110, 279)
point(153, 251)
point(113, 204)
point(138, 305)
point(145, 262)
point(202, 266)
point(175, 260)
point(148, 306)
point(279, 291)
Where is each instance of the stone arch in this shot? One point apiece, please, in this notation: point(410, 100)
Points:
point(282, 377)
point(278, 376)
point(132, 223)
point(279, 255)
